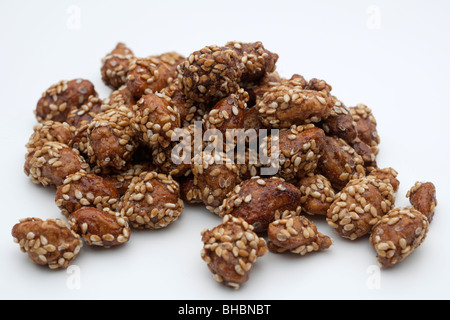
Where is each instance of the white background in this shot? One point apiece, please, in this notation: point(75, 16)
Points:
point(391, 55)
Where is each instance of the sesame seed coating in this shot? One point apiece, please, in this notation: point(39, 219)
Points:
point(422, 197)
point(317, 194)
point(83, 189)
point(121, 96)
point(111, 140)
point(231, 249)
point(100, 227)
point(388, 175)
point(255, 60)
point(300, 148)
point(57, 101)
point(152, 74)
point(283, 106)
point(115, 65)
point(152, 201)
point(366, 126)
point(339, 162)
point(52, 162)
point(359, 206)
point(155, 120)
point(210, 74)
point(259, 201)
point(215, 175)
point(48, 242)
point(49, 131)
point(85, 113)
point(398, 234)
point(296, 234)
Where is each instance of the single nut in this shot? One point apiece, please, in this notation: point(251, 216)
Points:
point(231, 249)
point(48, 242)
point(423, 198)
point(317, 194)
point(398, 234)
point(259, 201)
point(296, 234)
point(98, 227)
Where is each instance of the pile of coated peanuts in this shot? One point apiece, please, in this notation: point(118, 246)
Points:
point(113, 162)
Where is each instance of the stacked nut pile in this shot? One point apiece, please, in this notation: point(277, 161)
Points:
point(112, 164)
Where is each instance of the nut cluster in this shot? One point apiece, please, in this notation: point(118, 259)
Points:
point(116, 165)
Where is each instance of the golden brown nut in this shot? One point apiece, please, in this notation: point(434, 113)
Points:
point(48, 242)
point(231, 249)
point(300, 149)
point(188, 192)
point(256, 61)
point(359, 206)
point(152, 74)
point(105, 228)
point(51, 163)
point(366, 153)
point(115, 66)
point(296, 234)
point(155, 120)
point(85, 190)
point(259, 201)
point(283, 106)
point(318, 85)
point(214, 175)
point(49, 131)
point(366, 125)
point(339, 162)
point(228, 113)
point(210, 74)
point(121, 96)
point(152, 201)
point(85, 113)
point(317, 194)
point(340, 122)
point(111, 139)
point(388, 175)
point(422, 196)
point(398, 234)
point(57, 101)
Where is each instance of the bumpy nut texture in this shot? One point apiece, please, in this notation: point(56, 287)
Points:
point(48, 242)
point(317, 194)
point(152, 201)
point(398, 234)
point(49, 131)
point(228, 113)
point(318, 85)
point(214, 175)
point(83, 189)
point(152, 74)
point(231, 249)
point(176, 159)
point(422, 196)
point(359, 206)
point(105, 228)
point(300, 149)
point(85, 113)
point(189, 110)
point(115, 66)
point(57, 101)
point(155, 120)
point(188, 192)
point(257, 89)
point(366, 125)
point(340, 122)
point(51, 163)
point(366, 153)
point(339, 162)
point(259, 201)
point(111, 138)
point(255, 60)
point(283, 106)
point(210, 74)
point(121, 96)
point(388, 175)
point(296, 234)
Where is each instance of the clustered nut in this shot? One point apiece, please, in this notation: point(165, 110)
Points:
point(116, 164)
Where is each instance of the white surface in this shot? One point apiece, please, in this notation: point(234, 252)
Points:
point(391, 55)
